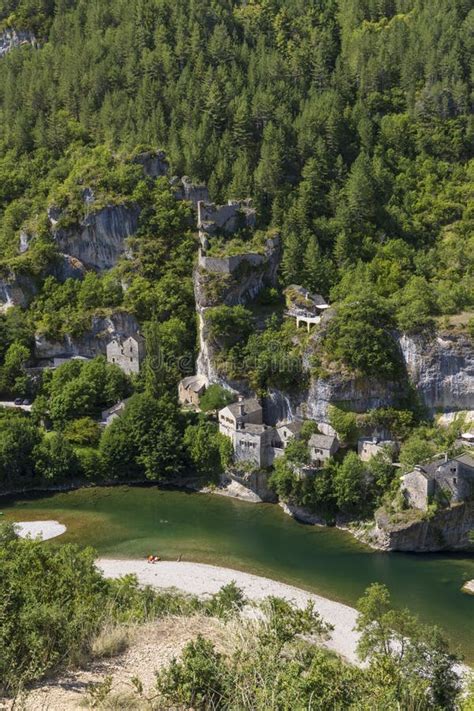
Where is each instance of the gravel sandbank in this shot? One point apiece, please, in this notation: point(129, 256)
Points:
point(201, 579)
point(45, 529)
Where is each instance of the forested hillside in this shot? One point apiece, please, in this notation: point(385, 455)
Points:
point(348, 121)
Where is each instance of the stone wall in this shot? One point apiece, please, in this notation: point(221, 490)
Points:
point(417, 489)
point(228, 265)
point(226, 218)
point(248, 274)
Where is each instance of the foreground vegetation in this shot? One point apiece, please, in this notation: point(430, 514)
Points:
point(58, 612)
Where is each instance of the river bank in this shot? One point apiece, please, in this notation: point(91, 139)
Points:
point(133, 521)
point(202, 579)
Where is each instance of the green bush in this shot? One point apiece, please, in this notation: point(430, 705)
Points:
point(215, 398)
point(360, 337)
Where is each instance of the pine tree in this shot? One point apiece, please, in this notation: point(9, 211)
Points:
point(318, 271)
point(293, 258)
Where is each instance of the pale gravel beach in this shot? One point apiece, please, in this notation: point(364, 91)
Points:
point(202, 579)
point(45, 529)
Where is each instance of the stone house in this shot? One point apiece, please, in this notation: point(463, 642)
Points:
point(232, 417)
point(254, 444)
point(127, 353)
point(368, 447)
point(252, 440)
point(321, 448)
point(446, 480)
point(191, 389)
point(304, 306)
point(287, 431)
point(113, 412)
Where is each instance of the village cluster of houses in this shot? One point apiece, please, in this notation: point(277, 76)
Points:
point(448, 481)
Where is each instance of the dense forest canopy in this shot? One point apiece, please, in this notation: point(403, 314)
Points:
point(348, 121)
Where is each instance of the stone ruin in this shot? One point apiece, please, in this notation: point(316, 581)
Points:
point(214, 219)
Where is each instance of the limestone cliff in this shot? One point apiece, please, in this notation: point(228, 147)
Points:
point(99, 240)
point(351, 393)
point(16, 290)
point(229, 280)
point(447, 530)
point(91, 343)
point(441, 369)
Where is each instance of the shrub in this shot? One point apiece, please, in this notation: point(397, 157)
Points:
point(228, 602)
point(229, 324)
point(345, 424)
point(360, 336)
point(110, 641)
point(215, 398)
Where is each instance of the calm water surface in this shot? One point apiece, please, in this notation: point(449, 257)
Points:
point(134, 522)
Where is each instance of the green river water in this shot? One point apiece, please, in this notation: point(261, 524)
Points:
point(135, 521)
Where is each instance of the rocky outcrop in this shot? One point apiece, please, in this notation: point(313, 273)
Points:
point(447, 530)
point(99, 240)
point(255, 482)
point(66, 267)
point(230, 281)
point(355, 394)
point(299, 513)
point(9, 39)
point(16, 290)
point(441, 370)
point(185, 189)
point(91, 343)
point(154, 163)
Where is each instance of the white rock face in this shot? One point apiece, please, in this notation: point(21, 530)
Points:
point(9, 39)
point(442, 370)
point(15, 290)
point(100, 239)
point(93, 342)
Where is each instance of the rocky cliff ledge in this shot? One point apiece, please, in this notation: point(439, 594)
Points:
point(231, 281)
point(91, 343)
point(446, 530)
point(441, 369)
point(16, 290)
point(99, 240)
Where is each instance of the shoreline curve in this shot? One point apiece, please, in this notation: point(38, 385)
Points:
point(203, 579)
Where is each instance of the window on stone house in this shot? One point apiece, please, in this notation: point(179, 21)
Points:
point(131, 360)
point(455, 480)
